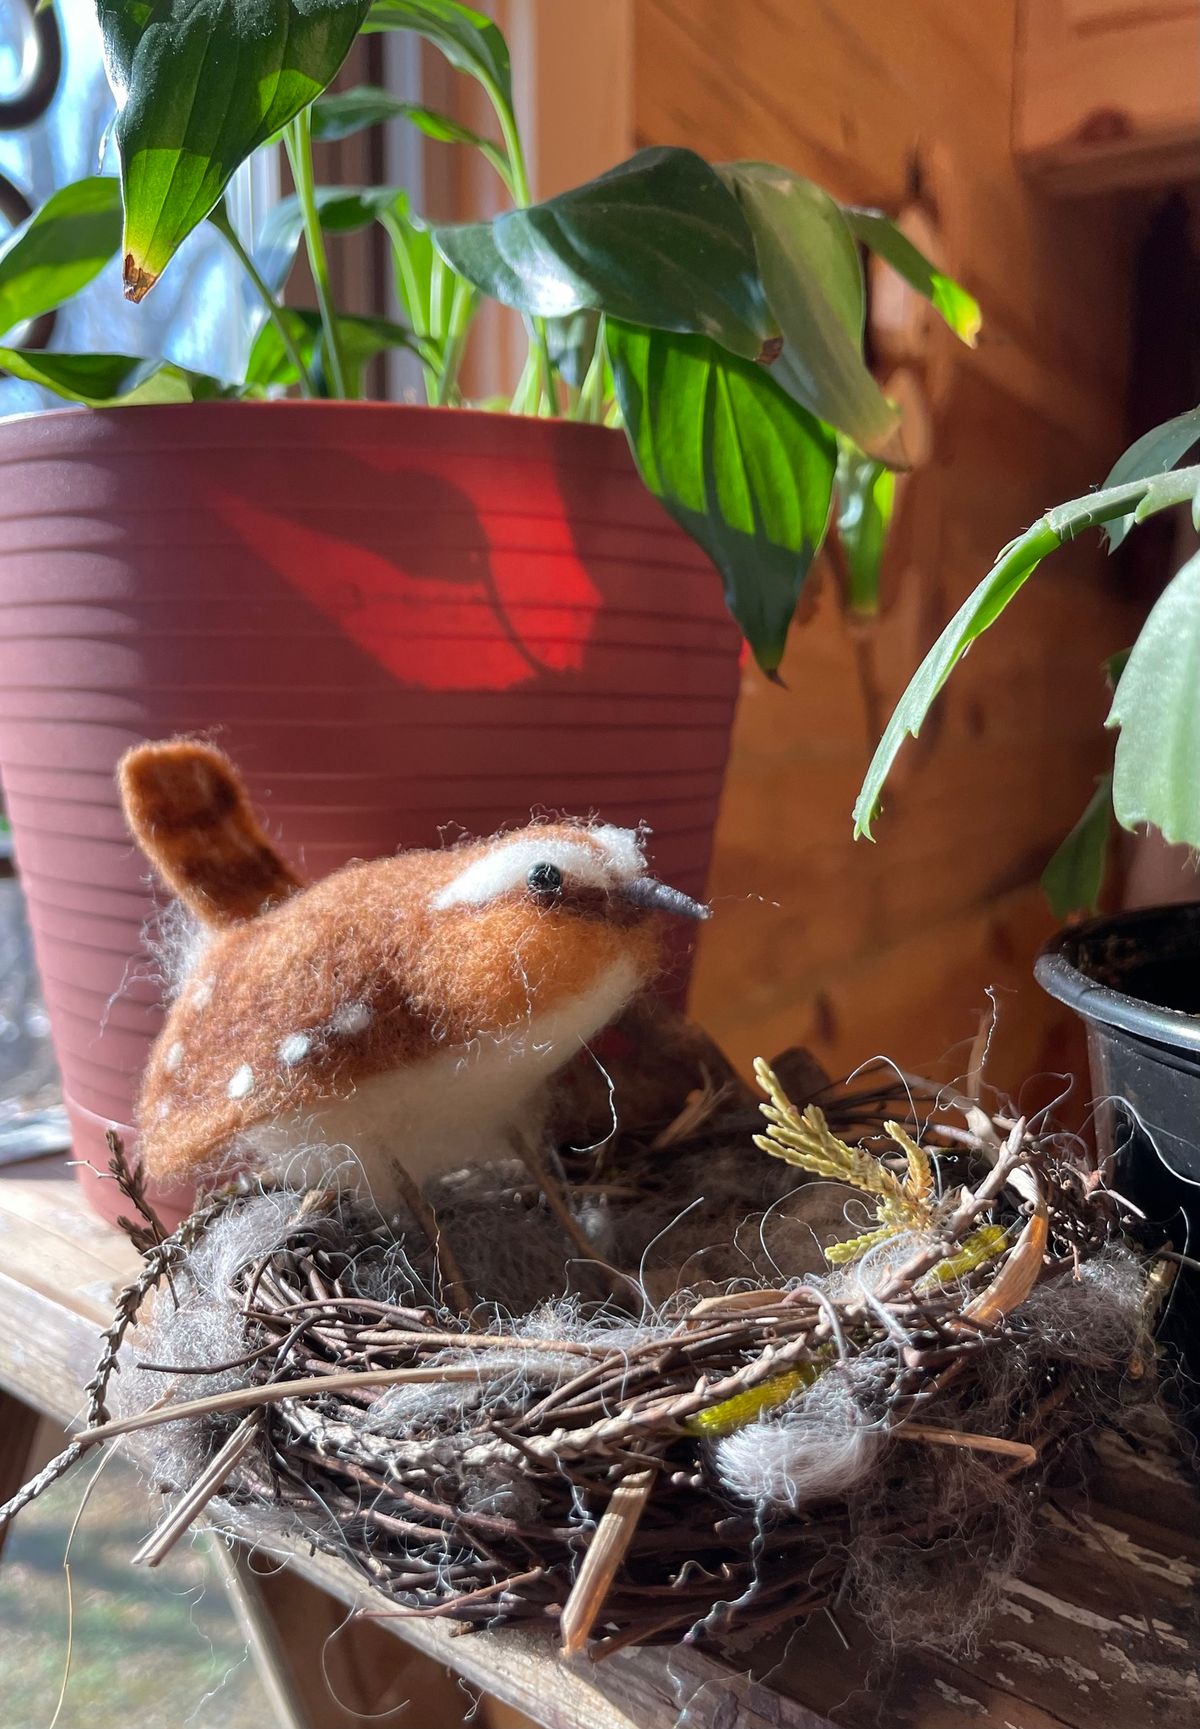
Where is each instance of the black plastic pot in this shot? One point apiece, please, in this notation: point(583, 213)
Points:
point(1135, 980)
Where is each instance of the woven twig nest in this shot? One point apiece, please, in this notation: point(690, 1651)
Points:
point(739, 1454)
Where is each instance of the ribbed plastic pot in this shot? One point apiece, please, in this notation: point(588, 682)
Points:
point(403, 623)
point(1135, 981)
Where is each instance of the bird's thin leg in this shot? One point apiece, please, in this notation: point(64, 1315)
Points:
point(454, 1286)
point(539, 1162)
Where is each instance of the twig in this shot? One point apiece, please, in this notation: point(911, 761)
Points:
point(605, 1552)
point(271, 1392)
point(158, 1259)
point(193, 1501)
point(964, 1438)
point(453, 1282)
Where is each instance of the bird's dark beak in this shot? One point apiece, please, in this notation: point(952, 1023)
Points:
point(648, 892)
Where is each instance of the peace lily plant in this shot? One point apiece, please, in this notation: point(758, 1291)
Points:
point(715, 312)
point(1155, 777)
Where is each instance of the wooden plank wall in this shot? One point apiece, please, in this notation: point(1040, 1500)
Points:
point(856, 949)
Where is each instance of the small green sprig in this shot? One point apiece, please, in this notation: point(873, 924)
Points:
point(804, 1138)
point(902, 1204)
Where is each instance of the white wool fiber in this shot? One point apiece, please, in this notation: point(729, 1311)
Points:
point(506, 864)
point(196, 1325)
point(177, 940)
point(241, 1235)
point(866, 1276)
point(818, 1446)
point(506, 1379)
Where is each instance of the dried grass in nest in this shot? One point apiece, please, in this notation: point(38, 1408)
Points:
point(736, 1456)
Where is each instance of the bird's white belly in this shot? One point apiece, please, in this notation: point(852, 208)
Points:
point(463, 1106)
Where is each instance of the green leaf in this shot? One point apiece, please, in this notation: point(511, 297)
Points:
point(360, 339)
point(415, 261)
point(345, 112)
point(1156, 772)
point(1075, 875)
point(877, 231)
point(572, 343)
point(984, 605)
point(59, 249)
point(469, 40)
point(744, 469)
point(813, 280)
point(106, 380)
point(657, 241)
point(1156, 451)
point(200, 84)
point(866, 495)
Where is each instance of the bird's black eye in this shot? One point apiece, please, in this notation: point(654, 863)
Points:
point(545, 881)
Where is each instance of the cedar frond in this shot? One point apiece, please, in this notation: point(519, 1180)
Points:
point(837, 1254)
point(919, 1183)
point(806, 1140)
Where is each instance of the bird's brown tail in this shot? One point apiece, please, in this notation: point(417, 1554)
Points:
point(189, 812)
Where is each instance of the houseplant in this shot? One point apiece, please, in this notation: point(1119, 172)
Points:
point(1133, 977)
point(397, 617)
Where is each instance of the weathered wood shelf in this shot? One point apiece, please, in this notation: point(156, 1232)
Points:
point(1101, 1631)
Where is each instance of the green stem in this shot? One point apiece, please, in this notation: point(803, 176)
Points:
point(298, 138)
point(409, 291)
point(437, 290)
point(590, 406)
point(520, 193)
point(526, 384)
point(462, 306)
point(219, 218)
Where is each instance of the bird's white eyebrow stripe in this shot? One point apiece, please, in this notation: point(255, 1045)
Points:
point(506, 867)
point(622, 848)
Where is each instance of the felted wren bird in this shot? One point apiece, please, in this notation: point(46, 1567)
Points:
point(407, 1010)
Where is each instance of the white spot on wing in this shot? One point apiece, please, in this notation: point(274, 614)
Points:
point(241, 1082)
point(294, 1049)
point(201, 992)
point(349, 1019)
point(173, 1057)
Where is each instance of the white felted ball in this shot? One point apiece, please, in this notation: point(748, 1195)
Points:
point(814, 1448)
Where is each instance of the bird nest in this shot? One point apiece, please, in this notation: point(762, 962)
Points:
point(655, 1462)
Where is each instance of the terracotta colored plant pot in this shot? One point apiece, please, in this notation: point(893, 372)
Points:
point(396, 620)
